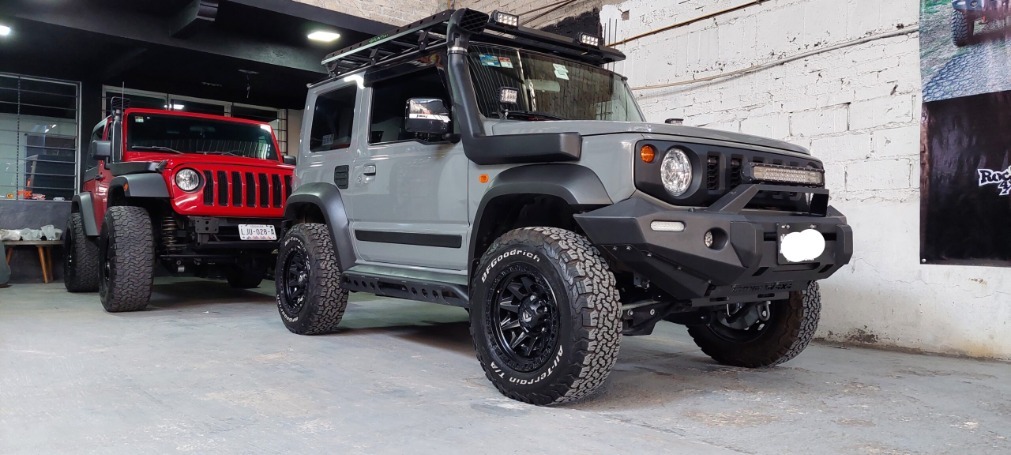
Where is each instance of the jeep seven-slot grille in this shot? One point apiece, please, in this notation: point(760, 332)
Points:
point(236, 189)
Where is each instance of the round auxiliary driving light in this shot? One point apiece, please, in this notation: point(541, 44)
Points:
point(676, 172)
point(708, 239)
point(187, 180)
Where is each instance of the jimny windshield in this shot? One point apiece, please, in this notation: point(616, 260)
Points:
point(550, 88)
point(178, 134)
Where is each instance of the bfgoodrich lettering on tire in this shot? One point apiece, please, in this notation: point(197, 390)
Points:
point(126, 253)
point(545, 316)
point(309, 296)
point(759, 334)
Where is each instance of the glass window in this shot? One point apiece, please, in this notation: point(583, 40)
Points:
point(178, 134)
point(389, 103)
point(551, 88)
point(333, 119)
point(38, 138)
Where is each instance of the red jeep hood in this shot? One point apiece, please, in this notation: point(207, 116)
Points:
point(175, 161)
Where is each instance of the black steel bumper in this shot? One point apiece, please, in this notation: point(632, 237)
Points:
point(744, 263)
point(212, 233)
point(999, 7)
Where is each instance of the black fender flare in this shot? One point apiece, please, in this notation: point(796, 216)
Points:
point(146, 185)
point(577, 185)
point(327, 198)
point(82, 203)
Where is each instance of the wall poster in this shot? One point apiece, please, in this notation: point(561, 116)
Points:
point(965, 137)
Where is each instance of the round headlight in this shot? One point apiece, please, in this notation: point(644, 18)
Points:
point(187, 180)
point(676, 172)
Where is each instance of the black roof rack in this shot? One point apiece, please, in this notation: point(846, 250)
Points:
point(430, 32)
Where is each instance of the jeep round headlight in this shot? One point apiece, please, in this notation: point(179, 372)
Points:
point(676, 172)
point(187, 180)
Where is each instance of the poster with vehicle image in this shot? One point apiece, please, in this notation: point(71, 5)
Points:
point(965, 137)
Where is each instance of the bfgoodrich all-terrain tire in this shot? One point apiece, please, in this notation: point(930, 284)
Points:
point(80, 257)
point(310, 298)
point(962, 28)
point(545, 316)
point(755, 335)
point(126, 254)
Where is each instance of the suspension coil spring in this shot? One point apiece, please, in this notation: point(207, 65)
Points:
point(168, 234)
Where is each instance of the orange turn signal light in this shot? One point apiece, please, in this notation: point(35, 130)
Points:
point(483, 178)
point(647, 153)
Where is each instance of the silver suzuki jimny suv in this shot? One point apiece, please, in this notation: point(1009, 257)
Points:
point(466, 160)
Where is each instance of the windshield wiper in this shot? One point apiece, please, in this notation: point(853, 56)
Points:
point(156, 148)
point(531, 115)
point(207, 152)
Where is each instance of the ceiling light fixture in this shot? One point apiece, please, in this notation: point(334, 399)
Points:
point(4, 30)
point(323, 37)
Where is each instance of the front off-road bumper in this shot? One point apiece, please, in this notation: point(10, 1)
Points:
point(998, 7)
point(744, 261)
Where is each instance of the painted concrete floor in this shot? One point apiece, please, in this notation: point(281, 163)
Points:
point(209, 370)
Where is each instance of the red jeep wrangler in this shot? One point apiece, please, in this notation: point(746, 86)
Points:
point(200, 194)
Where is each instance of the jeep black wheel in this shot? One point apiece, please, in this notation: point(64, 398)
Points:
point(80, 257)
point(962, 28)
point(761, 334)
point(310, 298)
point(126, 256)
point(545, 316)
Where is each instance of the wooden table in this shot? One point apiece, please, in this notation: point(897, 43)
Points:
point(45, 249)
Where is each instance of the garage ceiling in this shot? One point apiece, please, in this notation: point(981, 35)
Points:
point(202, 48)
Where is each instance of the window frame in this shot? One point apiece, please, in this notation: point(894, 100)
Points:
point(308, 125)
point(403, 70)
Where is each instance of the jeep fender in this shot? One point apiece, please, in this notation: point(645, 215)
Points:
point(327, 198)
point(82, 203)
point(576, 185)
point(146, 185)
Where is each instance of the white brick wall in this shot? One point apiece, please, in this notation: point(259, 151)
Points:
point(540, 18)
point(858, 109)
point(395, 12)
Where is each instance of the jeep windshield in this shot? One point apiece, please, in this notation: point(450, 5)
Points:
point(549, 87)
point(183, 134)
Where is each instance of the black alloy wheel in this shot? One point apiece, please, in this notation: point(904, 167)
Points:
point(525, 318)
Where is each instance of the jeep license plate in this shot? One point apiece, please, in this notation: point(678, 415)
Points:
point(257, 232)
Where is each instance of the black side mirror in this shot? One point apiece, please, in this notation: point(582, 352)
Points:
point(427, 116)
point(101, 150)
point(288, 159)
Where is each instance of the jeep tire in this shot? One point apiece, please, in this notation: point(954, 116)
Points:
point(247, 273)
point(80, 257)
point(962, 28)
point(545, 315)
point(126, 257)
point(307, 278)
point(756, 336)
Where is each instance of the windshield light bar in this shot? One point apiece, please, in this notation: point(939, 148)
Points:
point(589, 40)
point(786, 174)
point(506, 19)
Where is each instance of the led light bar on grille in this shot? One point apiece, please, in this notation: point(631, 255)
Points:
point(785, 174)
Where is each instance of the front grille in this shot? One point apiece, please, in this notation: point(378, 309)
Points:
point(249, 189)
point(721, 170)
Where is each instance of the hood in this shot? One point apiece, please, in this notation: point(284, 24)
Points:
point(599, 127)
point(173, 161)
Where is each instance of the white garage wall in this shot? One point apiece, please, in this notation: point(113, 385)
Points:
point(396, 12)
point(858, 109)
